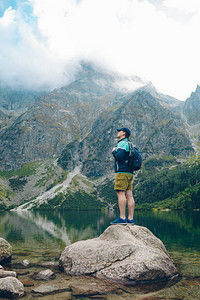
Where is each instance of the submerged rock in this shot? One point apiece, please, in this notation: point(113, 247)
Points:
point(129, 254)
point(5, 250)
point(27, 282)
point(45, 275)
point(25, 263)
point(47, 289)
point(11, 287)
point(92, 288)
point(22, 272)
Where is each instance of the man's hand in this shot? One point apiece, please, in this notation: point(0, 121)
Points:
point(114, 149)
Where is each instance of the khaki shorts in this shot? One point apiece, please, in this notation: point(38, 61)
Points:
point(123, 182)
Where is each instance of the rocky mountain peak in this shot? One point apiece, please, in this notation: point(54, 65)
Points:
point(191, 107)
point(197, 89)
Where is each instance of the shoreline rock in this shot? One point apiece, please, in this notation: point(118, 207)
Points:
point(126, 254)
point(5, 251)
point(4, 274)
point(11, 287)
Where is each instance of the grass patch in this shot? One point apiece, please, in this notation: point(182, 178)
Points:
point(27, 170)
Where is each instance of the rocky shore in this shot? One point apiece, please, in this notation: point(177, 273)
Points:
point(122, 259)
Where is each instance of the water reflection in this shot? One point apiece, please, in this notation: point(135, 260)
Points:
point(66, 227)
point(51, 229)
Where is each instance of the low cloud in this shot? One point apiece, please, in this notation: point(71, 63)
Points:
point(25, 58)
point(42, 50)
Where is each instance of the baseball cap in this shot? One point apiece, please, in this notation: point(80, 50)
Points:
point(125, 129)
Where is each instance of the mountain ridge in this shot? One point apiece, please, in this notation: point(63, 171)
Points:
point(76, 126)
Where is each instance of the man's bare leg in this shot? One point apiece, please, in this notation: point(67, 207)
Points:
point(122, 203)
point(131, 204)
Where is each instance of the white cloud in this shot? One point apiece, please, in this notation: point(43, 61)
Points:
point(125, 35)
point(8, 17)
point(25, 60)
point(183, 5)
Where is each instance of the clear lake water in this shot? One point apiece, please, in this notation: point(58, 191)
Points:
point(41, 236)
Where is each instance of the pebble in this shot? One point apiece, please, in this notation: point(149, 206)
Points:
point(25, 263)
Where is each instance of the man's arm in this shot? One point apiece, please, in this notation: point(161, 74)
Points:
point(119, 154)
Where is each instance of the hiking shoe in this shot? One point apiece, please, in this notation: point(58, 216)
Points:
point(130, 221)
point(119, 221)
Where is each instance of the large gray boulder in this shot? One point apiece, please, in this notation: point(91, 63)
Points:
point(11, 287)
point(5, 250)
point(125, 253)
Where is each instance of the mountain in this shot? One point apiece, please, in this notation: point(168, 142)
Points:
point(16, 99)
point(190, 112)
point(191, 107)
point(3, 116)
point(59, 147)
point(156, 130)
point(60, 117)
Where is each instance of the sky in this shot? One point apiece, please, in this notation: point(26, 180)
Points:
point(43, 41)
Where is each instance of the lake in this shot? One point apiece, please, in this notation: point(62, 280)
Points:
point(42, 235)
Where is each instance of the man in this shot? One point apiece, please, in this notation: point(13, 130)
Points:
point(124, 177)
